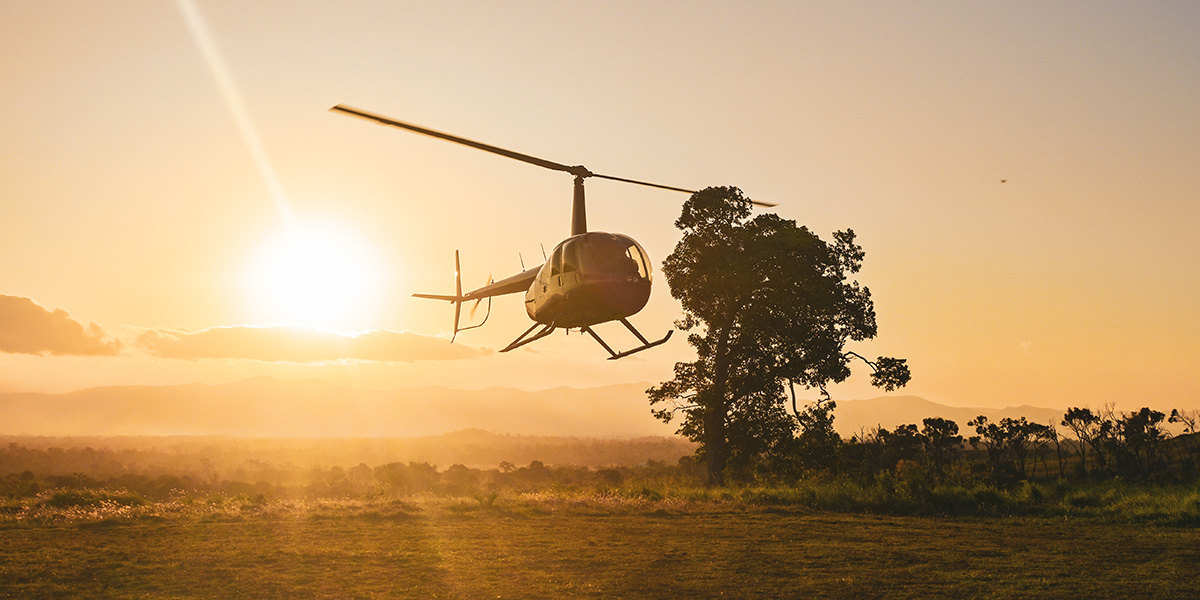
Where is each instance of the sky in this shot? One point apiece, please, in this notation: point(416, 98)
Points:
point(180, 206)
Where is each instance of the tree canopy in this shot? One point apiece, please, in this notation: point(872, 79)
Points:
point(769, 305)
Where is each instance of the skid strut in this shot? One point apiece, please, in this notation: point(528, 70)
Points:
point(522, 340)
point(646, 345)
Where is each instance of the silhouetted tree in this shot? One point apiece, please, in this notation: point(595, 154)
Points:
point(1187, 443)
point(768, 304)
point(1138, 442)
point(904, 443)
point(1057, 440)
point(1008, 444)
point(865, 454)
point(992, 438)
point(1086, 426)
point(458, 479)
point(941, 443)
point(1188, 418)
point(1040, 437)
point(816, 444)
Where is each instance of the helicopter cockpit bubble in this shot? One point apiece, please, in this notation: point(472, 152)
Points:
point(614, 256)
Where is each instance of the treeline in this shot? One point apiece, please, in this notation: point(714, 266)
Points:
point(265, 482)
point(932, 467)
point(232, 457)
point(1084, 444)
point(157, 469)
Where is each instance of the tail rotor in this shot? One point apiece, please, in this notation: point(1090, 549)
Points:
point(457, 294)
point(457, 298)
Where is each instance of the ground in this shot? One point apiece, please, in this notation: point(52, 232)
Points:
point(545, 549)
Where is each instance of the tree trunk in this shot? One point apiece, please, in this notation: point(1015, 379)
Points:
point(714, 441)
point(716, 446)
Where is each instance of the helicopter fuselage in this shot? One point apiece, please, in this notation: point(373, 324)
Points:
point(590, 278)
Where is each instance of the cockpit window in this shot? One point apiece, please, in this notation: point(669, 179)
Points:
point(638, 256)
point(614, 256)
point(556, 262)
point(570, 256)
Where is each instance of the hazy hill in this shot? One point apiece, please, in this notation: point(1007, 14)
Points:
point(266, 407)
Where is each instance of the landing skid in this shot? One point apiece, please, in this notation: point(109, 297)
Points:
point(546, 330)
point(646, 345)
point(522, 340)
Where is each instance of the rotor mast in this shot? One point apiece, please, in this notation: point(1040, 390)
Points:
point(578, 210)
point(579, 204)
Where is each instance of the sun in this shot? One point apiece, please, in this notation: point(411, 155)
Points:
point(313, 277)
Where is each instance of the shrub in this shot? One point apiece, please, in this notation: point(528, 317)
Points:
point(87, 498)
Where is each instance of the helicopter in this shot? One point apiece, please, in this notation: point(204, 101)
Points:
point(590, 278)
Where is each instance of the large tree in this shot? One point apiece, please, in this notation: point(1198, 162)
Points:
point(769, 306)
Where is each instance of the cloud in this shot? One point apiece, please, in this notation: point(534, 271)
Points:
point(301, 345)
point(26, 328)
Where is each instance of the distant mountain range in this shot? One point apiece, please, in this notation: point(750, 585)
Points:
point(266, 407)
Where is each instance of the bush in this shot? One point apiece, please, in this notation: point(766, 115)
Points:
point(87, 498)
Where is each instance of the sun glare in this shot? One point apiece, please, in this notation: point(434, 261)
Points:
point(314, 278)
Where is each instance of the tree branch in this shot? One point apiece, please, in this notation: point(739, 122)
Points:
point(792, 388)
point(873, 366)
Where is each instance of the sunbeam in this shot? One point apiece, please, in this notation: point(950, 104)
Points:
point(233, 101)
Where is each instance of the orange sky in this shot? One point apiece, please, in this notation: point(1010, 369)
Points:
point(140, 196)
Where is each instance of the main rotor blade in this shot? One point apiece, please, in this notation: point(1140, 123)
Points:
point(645, 183)
point(533, 160)
point(667, 187)
point(578, 171)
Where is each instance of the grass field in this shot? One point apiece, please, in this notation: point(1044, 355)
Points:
point(552, 547)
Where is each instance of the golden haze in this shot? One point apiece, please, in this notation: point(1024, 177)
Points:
point(1022, 177)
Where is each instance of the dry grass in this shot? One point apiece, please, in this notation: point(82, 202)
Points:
point(564, 546)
